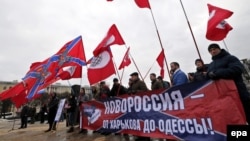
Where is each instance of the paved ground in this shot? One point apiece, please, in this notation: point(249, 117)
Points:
point(35, 132)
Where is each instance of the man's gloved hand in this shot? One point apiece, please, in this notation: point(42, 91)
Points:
point(212, 75)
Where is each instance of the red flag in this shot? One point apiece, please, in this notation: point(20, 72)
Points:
point(113, 37)
point(101, 67)
point(71, 72)
point(143, 3)
point(126, 60)
point(160, 61)
point(217, 27)
point(15, 90)
point(20, 99)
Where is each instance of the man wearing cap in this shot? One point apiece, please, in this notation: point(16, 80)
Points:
point(138, 85)
point(226, 66)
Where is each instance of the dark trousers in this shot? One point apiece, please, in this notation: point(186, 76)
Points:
point(42, 116)
point(24, 121)
point(51, 118)
point(71, 119)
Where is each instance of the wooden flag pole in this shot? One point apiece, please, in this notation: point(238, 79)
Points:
point(191, 30)
point(116, 69)
point(160, 42)
point(149, 69)
point(135, 63)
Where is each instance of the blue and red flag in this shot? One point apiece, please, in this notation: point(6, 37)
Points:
point(42, 74)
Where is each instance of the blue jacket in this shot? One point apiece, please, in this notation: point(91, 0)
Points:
point(179, 78)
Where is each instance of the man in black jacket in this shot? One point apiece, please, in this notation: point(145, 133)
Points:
point(226, 66)
point(53, 105)
point(71, 112)
point(117, 88)
point(24, 116)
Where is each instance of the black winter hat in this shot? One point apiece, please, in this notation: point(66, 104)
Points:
point(115, 80)
point(213, 46)
point(134, 74)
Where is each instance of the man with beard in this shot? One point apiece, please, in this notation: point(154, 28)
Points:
point(179, 77)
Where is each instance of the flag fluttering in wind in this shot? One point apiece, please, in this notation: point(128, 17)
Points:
point(160, 61)
point(217, 27)
point(71, 72)
point(126, 60)
point(113, 37)
point(21, 98)
point(15, 90)
point(42, 74)
point(143, 3)
point(100, 67)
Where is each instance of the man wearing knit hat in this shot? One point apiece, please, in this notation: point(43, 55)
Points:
point(227, 66)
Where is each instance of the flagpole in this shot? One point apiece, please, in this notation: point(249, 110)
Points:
point(160, 42)
point(190, 30)
point(122, 75)
point(149, 69)
point(120, 82)
point(135, 64)
point(116, 69)
point(225, 45)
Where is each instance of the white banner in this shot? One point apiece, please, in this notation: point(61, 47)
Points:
point(59, 110)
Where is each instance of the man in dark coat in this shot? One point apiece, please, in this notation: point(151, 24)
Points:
point(71, 109)
point(117, 88)
point(24, 116)
point(226, 66)
point(104, 91)
point(43, 110)
point(138, 85)
point(155, 84)
point(201, 71)
point(53, 106)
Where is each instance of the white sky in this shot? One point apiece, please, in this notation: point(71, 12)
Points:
point(32, 31)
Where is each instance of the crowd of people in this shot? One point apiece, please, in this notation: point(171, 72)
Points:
point(223, 66)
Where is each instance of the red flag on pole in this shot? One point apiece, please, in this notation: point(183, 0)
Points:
point(113, 37)
point(71, 72)
point(143, 3)
point(101, 67)
point(217, 27)
point(126, 60)
point(160, 61)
